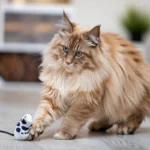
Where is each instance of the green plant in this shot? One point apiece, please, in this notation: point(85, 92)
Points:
point(136, 22)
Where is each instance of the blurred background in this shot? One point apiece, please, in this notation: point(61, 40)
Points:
point(26, 26)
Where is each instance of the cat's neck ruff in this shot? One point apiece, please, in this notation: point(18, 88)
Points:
point(87, 81)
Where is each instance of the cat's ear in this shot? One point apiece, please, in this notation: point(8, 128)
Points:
point(93, 36)
point(66, 25)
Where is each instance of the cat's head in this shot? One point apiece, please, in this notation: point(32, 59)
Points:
point(74, 48)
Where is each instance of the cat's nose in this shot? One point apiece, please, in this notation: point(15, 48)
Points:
point(68, 62)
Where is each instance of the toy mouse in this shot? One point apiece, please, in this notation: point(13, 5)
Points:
point(22, 128)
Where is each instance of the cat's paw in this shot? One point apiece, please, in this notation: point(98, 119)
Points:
point(62, 135)
point(126, 129)
point(96, 126)
point(36, 130)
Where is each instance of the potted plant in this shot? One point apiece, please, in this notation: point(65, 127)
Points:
point(137, 23)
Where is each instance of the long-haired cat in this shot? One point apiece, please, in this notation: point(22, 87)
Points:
point(91, 75)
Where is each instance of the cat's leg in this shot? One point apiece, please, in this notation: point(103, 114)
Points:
point(47, 112)
point(130, 125)
point(100, 125)
point(75, 118)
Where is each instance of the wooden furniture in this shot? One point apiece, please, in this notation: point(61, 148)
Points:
point(25, 30)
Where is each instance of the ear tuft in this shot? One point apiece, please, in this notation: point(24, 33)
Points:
point(66, 24)
point(93, 36)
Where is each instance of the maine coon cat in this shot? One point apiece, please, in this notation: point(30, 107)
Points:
point(86, 75)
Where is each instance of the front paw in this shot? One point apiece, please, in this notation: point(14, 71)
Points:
point(36, 129)
point(63, 135)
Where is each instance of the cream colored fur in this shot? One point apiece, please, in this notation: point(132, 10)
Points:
point(110, 82)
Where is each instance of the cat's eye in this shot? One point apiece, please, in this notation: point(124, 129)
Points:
point(78, 54)
point(65, 49)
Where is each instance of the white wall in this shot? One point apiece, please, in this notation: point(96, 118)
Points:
point(106, 12)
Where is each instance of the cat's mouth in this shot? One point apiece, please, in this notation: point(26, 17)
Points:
point(68, 67)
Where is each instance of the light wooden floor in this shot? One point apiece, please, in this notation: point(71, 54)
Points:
point(18, 100)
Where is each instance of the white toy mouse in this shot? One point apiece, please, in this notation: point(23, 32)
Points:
point(22, 129)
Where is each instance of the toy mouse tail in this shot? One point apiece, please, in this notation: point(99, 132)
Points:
point(1, 131)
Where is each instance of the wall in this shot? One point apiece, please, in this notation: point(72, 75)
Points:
point(106, 12)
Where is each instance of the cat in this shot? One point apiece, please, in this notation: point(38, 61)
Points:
point(87, 74)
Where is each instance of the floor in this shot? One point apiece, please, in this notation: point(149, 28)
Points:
point(18, 99)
